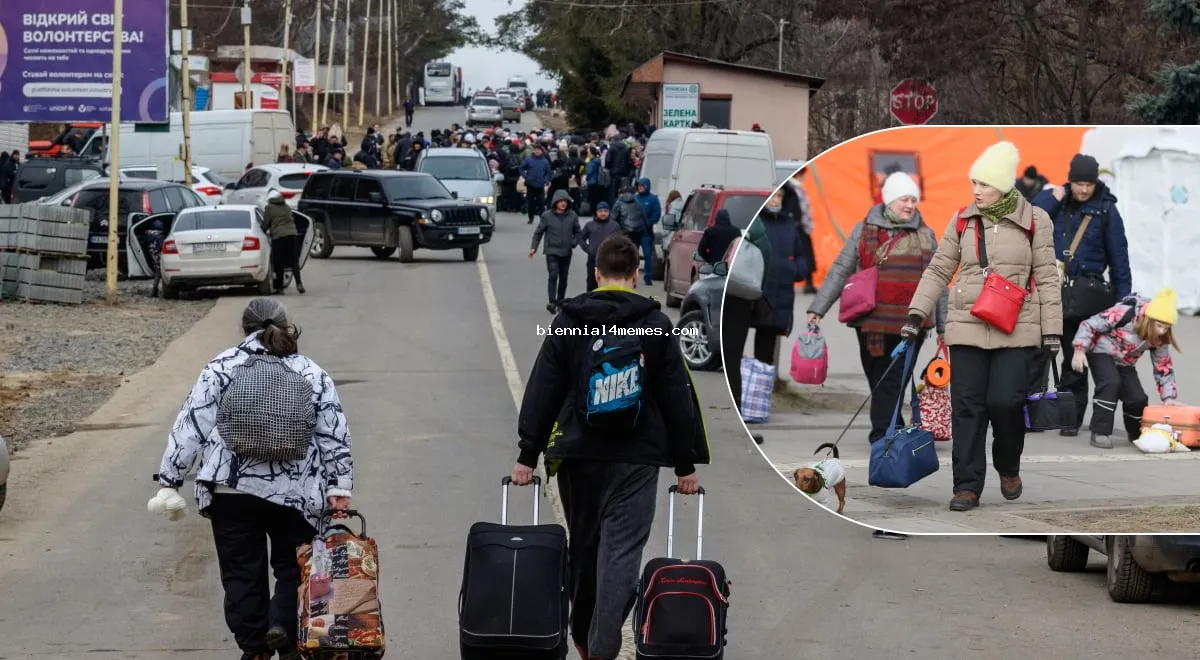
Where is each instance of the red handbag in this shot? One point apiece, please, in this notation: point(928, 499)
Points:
point(859, 291)
point(999, 303)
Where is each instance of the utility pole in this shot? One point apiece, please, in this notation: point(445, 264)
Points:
point(185, 47)
point(779, 61)
point(362, 92)
point(346, 77)
point(329, 63)
point(249, 74)
point(284, 58)
point(114, 148)
point(379, 70)
point(317, 62)
point(391, 29)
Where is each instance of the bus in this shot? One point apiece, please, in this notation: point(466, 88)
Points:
point(443, 84)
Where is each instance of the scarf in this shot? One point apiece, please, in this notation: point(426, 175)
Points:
point(892, 218)
point(1003, 207)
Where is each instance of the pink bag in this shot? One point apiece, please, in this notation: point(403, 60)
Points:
point(810, 357)
point(858, 294)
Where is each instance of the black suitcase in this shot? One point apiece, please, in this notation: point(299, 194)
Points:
point(682, 606)
point(514, 599)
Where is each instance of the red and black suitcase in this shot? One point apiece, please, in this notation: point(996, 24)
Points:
point(514, 601)
point(682, 606)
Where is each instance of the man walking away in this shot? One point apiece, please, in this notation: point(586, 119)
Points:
point(652, 211)
point(408, 113)
point(606, 444)
point(619, 164)
point(593, 235)
point(715, 240)
point(629, 215)
point(560, 226)
point(535, 169)
point(285, 240)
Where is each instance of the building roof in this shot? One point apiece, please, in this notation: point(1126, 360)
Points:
point(651, 71)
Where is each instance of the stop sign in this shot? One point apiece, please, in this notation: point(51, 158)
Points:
point(913, 102)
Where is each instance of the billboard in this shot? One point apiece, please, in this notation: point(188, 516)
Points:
point(56, 61)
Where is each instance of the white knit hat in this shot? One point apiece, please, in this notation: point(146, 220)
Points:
point(997, 166)
point(898, 185)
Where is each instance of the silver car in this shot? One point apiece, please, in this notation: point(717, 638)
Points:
point(462, 171)
point(485, 110)
point(257, 183)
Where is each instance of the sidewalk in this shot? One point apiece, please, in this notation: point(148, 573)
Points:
point(1068, 483)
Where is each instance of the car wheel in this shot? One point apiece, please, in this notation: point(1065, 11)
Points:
point(471, 253)
point(383, 252)
point(1128, 582)
point(170, 291)
point(697, 352)
point(1065, 554)
point(406, 243)
point(322, 245)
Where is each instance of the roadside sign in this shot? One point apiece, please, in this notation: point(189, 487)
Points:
point(305, 72)
point(913, 103)
point(680, 105)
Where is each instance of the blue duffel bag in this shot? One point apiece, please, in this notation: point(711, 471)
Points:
point(905, 455)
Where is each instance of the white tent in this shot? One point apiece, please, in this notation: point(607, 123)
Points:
point(1155, 174)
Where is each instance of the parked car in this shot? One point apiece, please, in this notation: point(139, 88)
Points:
point(700, 316)
point(4, 466)
point(1136, 564)
point(484, 110)
point(206, 182)
point(699, 213)
point(258, 182)
point(42, 177)
point(65, 196)
point(386, 210)
point(784, 169)
point(136, 196)
point(509, 110)
point(209, 246)
point(462, 171)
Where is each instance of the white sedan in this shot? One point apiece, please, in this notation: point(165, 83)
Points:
point(211, 246)
point(258, 182)
point(206, 182)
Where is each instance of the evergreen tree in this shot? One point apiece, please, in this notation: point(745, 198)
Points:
point(1178, 99)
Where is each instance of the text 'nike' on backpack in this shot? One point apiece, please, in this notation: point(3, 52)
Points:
point(615, 380)
point(267, 412)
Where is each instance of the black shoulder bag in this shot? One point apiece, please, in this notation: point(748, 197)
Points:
point(1086, 294)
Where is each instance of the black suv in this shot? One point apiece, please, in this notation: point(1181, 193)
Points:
point(387, 209)
point(42, 177)
point(134, 196)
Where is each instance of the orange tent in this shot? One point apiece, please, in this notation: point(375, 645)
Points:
point(843, 182)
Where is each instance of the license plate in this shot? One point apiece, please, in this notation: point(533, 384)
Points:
point(468, 230)
point(208, 247)
point(98, 240)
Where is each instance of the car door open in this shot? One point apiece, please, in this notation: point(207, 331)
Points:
point(307, 232)
point(141, 243)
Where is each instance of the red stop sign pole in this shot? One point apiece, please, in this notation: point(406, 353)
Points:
point(913, 103)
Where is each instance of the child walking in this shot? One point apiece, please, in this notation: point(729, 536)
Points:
point(560, 226)
point(1110, 344)
point(593, 234)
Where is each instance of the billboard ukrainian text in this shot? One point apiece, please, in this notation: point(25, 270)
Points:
point(56, 61)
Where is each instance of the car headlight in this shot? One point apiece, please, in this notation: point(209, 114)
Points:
point(485, 200)
point(436, 215)
point(483, 213)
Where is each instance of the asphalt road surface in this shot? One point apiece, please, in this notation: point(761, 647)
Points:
point(420, 357)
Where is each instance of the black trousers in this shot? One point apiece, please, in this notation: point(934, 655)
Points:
point(988, 387)
point(242, 526)
point(1116, 382)
point(887, 385)
point(1073, 381)
point(610, 510)
point(285, 255)
point(738, 316)
point(591, 273)
point(557, 269)
point(535, 201)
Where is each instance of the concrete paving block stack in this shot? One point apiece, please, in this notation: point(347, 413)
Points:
point(43, 253)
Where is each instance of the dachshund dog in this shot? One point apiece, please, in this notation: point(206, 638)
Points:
point(824, 479)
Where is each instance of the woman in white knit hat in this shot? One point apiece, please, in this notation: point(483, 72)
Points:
point(895, 240)
point(991, 359)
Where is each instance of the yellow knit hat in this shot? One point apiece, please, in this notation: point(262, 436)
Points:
point(1162, 307)
point(997, 166)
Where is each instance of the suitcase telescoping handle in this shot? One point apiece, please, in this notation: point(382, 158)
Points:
point(537, 491)
point(333, 523)
point(673, 491)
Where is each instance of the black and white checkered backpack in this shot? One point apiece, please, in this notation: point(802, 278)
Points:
point(267, 411)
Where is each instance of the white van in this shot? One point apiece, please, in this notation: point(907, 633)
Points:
point(684, 159)
point(222, 140)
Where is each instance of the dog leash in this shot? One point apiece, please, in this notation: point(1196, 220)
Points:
point(832, 447)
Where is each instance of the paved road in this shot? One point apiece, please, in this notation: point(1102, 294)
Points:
point(1068, 484)
point(87, 574)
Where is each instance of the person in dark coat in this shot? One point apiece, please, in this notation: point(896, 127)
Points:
point(593, 234)
point(560, 226)
point(779, 288)
point(535, 169)
point(717, 238)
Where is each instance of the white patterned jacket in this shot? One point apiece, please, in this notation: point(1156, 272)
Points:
point(303, 485)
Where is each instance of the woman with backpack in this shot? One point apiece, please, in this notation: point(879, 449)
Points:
point(273, 446)
point(999, 244)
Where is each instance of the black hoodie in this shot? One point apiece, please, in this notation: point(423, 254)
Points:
point(670, 431)
point(715, 240)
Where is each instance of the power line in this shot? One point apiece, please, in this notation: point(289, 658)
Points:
point(627, 5)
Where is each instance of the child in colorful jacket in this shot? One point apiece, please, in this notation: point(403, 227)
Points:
point(1111, 343)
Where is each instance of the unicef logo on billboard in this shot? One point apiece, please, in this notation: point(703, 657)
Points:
point(693, 89)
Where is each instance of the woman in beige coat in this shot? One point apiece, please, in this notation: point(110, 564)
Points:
point(989, 367)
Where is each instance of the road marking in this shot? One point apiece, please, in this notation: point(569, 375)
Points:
point(863, 463)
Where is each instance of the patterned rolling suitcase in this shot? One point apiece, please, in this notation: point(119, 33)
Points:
point(339, 595)
point(682, 606)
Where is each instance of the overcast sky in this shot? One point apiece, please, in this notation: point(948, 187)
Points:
point(476, 63)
